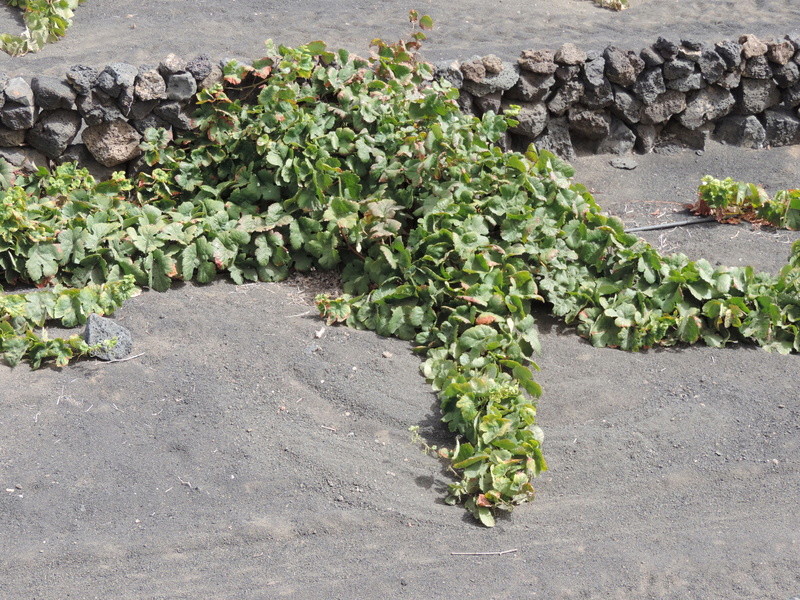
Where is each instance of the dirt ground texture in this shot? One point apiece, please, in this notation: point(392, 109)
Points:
point(250, 452)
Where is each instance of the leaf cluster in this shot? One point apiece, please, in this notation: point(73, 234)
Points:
point(45, 21)
point(732, 201)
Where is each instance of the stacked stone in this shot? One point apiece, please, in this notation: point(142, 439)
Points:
point(744, 93)
point(110, 109)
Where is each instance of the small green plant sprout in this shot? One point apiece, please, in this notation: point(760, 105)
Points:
point(731, 201)
point(45, 21)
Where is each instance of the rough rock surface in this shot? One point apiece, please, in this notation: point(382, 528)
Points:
point(565, 97)
point(570, 54)
point(17, 116)
point(757, 68)
point(738, 130)
point(176, 114)
point(557, 139)
point(200, 67)
point(538, 61)
point(19, 91)
point(82, 78)
point(11, 137)
point(492, 83)
point(598, 97)
point(646, 136)
point(678, 68)
point(112, 143)
point(97, 107)
point(752, 46)
point(532, 119)
point(213, 78)
point(449, 70)
point(54, 131)
point(51, 93)
point(667, 104)
point(594, 72)
point(492, 63)
point(782, 128)
point(650, 85)
point(150, 85)
point(116, 78)
point(473, 70)
point(757, 95)
point(627, 106)
point(666, 48)
point(780, 52)
point(27, 159)
point(171, 65)
point(692, 81)
point(618, 67)
point(786, 75)
point(181, 86)
point(99, 330)
point(705, 105)
point(488, 102)
point(532, 87)
point(620, 139)
point(590, 124)
point(712, 65)
point(731, 53)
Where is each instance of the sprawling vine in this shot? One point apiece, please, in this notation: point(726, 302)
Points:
point(325, 160)
point(45, 21)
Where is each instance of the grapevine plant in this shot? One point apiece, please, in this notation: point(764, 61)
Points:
point(45, 21)
point(730, 201)
point(310, 159)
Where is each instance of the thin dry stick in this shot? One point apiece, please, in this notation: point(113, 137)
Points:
point(122, 359)
point(500, 553)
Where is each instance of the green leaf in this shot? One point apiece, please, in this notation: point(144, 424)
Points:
point(161, 269)
point(42, 262)
point(14, 348)
point(485, 516)
point(316, 47)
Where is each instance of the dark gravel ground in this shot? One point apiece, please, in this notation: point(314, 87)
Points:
point(243, 457)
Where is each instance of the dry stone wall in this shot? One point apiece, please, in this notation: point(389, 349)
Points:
point(671, 94)
point(106, 111)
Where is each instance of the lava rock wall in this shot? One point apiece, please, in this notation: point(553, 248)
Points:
point(669, 95)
